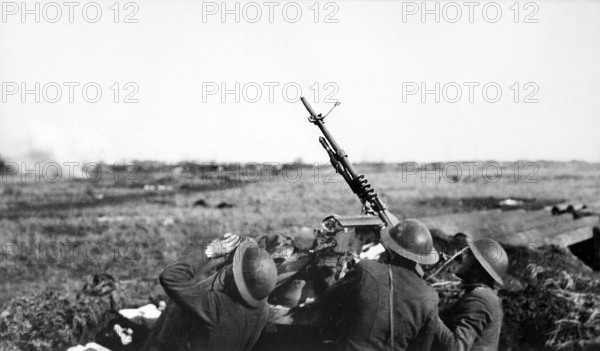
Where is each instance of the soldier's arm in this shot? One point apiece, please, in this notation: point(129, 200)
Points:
point(427, 335)
point(185, 281)
point(444, 338)
point(258, 329)
point(197, 262)
point(191, 265)
point(473, 315)
point(336, 298)
point(347, 286)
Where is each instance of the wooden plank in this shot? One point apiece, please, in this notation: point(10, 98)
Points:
point(489, 225)
point(541, 234)
point(488, 220)
point(537, 223)
point(495, 227)
point(528, 221)
point(458, 217)
point(572, 237)
point(594, 206)
point(454, 223)
point(511, 222)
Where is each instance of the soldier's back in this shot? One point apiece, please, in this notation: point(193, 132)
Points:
point(414, 307)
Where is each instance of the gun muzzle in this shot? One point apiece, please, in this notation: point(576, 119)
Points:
point(308, 107)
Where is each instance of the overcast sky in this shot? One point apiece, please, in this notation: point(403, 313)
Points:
point(374, 56)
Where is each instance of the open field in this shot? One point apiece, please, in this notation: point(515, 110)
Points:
point(56, 234)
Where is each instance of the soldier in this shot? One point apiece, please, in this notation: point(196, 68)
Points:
point(389, 305)
point(477, 316)
point(226, 311)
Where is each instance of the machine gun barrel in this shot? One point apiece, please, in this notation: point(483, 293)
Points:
point(339, 159)
point(339, 168)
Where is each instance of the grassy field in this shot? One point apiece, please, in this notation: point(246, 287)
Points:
point(56, 234)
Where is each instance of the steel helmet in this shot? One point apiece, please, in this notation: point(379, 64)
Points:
point(254, 273)
point(410, 239)
point(492, 257)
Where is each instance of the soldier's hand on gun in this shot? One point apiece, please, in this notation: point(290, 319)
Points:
point(222, 246)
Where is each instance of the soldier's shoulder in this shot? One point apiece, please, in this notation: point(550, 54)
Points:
point(484, 296)
point(424, 295)
point(425, 290)
point(430, 293)
point(373, 267)
point(485, 293)
point(418, 286)
point(370, 264)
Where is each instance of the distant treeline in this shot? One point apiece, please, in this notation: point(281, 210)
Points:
point(199, 168)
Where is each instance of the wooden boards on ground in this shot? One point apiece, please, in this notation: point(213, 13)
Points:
point(517, 226)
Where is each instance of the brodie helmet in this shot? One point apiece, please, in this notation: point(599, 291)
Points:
point(492, 257)
point(410, 239)
point(254, 273)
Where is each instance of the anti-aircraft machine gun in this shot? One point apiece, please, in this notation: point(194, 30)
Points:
point(375, 215)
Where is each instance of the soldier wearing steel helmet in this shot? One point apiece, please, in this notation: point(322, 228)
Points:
point(477, 316)
point(386, 304)
point(227, 310)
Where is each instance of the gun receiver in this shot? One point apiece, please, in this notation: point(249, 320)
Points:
point(372, 204)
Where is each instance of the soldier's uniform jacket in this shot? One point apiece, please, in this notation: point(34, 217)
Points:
point(362, 300)
point(476, 322)
point(201, 316)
